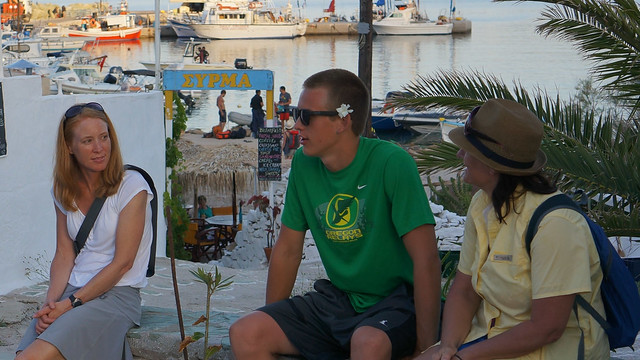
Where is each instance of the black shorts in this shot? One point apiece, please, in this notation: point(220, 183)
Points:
point(320, 323)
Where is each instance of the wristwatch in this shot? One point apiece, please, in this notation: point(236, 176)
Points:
point(75, 302)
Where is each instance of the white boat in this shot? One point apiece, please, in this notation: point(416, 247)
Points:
point(189, 12)
point(446, 126)
point(56, 38)
point(182, 26)
point(81, 77)
point(247, 20)
point(28, 49)
point(191, 60)
point(407, 20)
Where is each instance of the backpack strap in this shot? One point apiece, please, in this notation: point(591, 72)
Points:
point(154, 217)
point(562, 201)
point(87, 224)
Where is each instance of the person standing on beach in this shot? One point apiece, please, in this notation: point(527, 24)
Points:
point(284, 100)
point(222, 111)
point(257, 114)
point(365, 205)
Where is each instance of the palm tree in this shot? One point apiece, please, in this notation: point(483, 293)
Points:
point(597, 153)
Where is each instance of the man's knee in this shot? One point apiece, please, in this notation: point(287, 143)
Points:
point(249, 328)
point(370, 343)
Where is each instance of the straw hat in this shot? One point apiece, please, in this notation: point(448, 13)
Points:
point(289, 124)
point(505, 136)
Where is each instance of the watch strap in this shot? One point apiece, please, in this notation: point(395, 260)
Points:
point(75, 302)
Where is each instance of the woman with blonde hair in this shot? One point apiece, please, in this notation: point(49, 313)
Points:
point(94, 290)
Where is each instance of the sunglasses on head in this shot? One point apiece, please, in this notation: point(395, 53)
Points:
point(305, 115)
point(76, 109)
point(468, 130)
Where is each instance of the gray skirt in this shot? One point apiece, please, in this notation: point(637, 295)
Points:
point(96, 330)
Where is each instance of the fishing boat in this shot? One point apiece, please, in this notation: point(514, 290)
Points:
point(406, 19)
point(112, 27)
point(247, 20)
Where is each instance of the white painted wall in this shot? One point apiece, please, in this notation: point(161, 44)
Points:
point(27, 216)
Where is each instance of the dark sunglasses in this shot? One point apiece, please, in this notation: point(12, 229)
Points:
point(468, 130)
point(76, 109)
point(305, 115)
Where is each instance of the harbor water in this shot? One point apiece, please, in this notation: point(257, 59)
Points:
point(503, 43)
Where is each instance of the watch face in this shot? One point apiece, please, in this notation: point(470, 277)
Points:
point(75, 302)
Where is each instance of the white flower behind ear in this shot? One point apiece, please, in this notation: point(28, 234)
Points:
point(344, 110)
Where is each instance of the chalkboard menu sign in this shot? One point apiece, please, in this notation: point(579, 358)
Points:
point(269, 154)
point(3, 134)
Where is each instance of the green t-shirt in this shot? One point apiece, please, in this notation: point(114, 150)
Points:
point(357, 216)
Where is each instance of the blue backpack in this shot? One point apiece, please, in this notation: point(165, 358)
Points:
point(619, 290)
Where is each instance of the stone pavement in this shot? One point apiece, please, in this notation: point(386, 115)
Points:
point(159, 336)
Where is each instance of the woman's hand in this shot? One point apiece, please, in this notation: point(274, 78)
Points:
point(49, 313)
point(438, 352)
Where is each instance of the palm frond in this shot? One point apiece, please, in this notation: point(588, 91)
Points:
point(607, 32)
point(597, 154)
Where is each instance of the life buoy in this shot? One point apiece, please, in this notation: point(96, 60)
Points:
point(255, 4)
point(226, 7)
point(388, 110)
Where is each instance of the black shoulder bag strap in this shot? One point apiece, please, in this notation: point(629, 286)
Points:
point(154, 217)
point(87, 224)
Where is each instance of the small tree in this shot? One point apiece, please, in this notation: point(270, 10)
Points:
point(214, 282)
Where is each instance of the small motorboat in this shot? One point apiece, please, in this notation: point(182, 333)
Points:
point(239, 118)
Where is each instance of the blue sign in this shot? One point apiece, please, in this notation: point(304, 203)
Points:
point(217, 79)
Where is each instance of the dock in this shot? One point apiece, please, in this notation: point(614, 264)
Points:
point(332, 28)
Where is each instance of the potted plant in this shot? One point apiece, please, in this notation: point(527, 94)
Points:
point(261, 203)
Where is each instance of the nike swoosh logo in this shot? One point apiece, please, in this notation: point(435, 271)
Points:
point(360, 187)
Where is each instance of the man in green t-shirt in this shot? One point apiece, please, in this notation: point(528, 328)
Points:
point(364, 203)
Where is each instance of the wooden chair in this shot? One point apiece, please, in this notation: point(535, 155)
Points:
point(226, 210)
point(227, 234)
point(202, 241)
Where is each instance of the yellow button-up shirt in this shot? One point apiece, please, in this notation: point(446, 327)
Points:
point(563, 261)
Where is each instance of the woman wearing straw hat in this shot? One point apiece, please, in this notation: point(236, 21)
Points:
point(505, 303)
